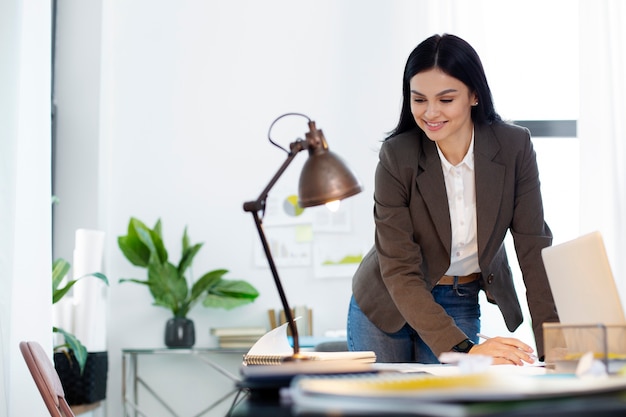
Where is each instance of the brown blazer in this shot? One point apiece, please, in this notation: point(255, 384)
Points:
point(393, 284)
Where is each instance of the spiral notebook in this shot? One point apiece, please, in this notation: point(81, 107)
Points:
point(273, 348)
point(267, 366)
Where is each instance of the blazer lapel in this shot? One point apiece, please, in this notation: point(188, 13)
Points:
point(489, 183)
point(432, 187)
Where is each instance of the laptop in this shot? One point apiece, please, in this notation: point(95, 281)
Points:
point(582, 282)
point(589, 306)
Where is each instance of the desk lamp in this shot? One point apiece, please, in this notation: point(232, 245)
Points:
point(325, 178)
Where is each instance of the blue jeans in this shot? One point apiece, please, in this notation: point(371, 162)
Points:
point(405, 345)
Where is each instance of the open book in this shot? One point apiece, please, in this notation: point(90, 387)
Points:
point(274, 349)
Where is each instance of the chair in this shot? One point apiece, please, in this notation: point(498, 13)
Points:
point(46, 379)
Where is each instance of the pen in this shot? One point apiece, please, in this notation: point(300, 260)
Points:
point(482, 336)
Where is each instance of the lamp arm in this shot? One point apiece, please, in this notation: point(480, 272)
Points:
point(259, 204)
point(279, 286)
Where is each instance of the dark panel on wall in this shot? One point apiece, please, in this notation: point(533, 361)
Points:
point(550, 128)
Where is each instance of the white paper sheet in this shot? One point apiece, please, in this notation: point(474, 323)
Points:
point(273, 342)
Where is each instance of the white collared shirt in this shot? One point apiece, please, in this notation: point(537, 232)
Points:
point(461, 191)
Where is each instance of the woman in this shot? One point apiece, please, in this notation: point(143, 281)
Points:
point(452, 179)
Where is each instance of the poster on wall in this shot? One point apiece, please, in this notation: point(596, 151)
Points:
point(282, 208)
point(293, 232)
point(290, 246)
point(337, 256)
point(288, 231)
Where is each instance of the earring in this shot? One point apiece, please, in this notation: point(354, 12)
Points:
point(475, 103)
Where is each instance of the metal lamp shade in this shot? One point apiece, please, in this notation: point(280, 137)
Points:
point(325, 178)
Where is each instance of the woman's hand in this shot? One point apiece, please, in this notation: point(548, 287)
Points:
point(505, 351)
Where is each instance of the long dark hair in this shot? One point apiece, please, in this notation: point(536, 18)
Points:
point(458, 59)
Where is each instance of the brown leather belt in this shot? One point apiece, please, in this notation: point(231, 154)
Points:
point(466, 279)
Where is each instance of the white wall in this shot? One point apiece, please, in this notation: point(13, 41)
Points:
point(187, 91)
point(25, 218)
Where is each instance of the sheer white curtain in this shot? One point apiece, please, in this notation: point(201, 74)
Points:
point(602, 127)
point(25, 192)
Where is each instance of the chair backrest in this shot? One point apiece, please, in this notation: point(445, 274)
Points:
point(46, 379)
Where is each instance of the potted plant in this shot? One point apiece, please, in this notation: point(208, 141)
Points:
point(169, 285)
point(85, 383)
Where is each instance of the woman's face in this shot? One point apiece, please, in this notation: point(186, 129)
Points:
point(441, 106)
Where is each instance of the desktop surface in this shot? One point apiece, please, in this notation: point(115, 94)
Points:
point(524, 392)
point(613, 405)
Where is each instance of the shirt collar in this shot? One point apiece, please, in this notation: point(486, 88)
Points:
point(468, 159)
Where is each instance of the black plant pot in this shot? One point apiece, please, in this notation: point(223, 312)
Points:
point(88, 388)
point(180, 333)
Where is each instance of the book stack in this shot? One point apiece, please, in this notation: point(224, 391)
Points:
point(237, 337)
point(302, 314)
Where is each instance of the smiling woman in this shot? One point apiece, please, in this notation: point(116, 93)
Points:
point(453, 179)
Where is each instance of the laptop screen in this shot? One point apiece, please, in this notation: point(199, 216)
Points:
point(582, 283)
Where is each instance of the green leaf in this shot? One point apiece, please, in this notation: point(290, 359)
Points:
point(157, 239)
point(60, 268)
point(229, 294)
point(150, 240)
point(157, 229)
point(220, 301)
point(132, 247)
point(136, 281)
point(73, 344)
point(136, 252)
point(235, 289)
point(207, 281)
point(142, 243)
point(167, 287)
point(186, 241)
point(188, 254)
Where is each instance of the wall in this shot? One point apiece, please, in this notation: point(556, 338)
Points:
point(185, 93)
point(25, 212)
